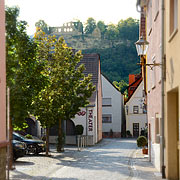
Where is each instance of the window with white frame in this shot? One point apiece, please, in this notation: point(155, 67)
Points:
point(107, 118)
point(106, 102)
point(173, 15)
point(135, 109)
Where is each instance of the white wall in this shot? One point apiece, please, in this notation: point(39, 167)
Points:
point(89, 122)
point(137, 99)
point(80, 119)
point(109, 91)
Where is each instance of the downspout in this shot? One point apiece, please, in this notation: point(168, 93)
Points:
point(97, 119)
point(162, 91)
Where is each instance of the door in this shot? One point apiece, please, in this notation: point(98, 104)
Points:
point(135, 129)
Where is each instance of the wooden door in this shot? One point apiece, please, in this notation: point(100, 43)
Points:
point(135, 129)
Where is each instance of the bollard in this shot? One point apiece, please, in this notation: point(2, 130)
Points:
point(81, 142)
point(85, 141)
point(78, 143)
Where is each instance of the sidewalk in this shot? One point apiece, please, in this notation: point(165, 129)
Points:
point(143, 169)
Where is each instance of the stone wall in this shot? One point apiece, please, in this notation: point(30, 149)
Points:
point(89, 42)
point(3, 163)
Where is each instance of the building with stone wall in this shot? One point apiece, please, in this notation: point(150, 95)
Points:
point(3, 140)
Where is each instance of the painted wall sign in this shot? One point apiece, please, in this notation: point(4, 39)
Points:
point(90, 120)
point(81, 113)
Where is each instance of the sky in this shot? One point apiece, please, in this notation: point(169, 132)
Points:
point(57, 12)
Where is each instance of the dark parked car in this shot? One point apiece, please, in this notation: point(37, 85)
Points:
point(34, 146)
point(19, 149)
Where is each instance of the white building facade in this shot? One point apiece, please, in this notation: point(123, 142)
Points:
point(136, 117)
point(112, 105)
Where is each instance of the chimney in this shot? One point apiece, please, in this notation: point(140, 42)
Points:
point(131, 78)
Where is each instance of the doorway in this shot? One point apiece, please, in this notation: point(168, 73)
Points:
point(173, 134)
point(135, 129)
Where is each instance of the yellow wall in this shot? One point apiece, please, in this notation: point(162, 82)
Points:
point(172, 86)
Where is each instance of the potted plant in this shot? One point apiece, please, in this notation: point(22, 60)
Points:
point(142, 142)
point(79, 129)
point(111, 133)
point(128, 133)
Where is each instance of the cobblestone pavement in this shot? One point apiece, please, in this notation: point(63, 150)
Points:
point(112, 159)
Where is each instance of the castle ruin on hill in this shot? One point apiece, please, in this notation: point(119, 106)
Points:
point(74, 37)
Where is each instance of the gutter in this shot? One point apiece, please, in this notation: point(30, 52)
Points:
point(162, 91)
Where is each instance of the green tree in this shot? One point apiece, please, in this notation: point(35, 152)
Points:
point(68, 88)
point(112, 32)
point(101, 25)
point(90, 25)
point(22, 71)
point(121, 86)
point(128, 29)
point(43, 26)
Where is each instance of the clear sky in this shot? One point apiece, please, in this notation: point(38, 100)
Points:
point(57, 12)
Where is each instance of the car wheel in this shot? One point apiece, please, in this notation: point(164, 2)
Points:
point(32, 149)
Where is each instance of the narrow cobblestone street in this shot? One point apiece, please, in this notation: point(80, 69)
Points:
point(114, 159)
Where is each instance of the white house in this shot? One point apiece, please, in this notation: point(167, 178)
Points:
point(112, 105)
point(136, 116)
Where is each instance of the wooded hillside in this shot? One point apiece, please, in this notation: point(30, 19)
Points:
point(114, 43)
point(120, 60)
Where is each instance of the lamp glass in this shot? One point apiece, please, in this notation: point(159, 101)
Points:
point(141, 46)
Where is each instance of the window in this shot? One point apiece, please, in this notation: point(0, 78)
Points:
point(157, 129)
point(107, 118)
point(173, 15)
point(149, 17)
point(106, 102)
point(144, 109)
point(136, 109)
point(156, 7)
point(153, 83)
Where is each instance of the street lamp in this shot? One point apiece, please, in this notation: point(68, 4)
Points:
point(142, 46)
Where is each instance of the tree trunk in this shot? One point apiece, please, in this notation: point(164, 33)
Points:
point(60, 137)
point(47, 141)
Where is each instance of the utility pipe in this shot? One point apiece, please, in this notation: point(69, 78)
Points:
point(162, 89)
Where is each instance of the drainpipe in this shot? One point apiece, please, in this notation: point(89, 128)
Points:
point(97, 119)
point(162, 91)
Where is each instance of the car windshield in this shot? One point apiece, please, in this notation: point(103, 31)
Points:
point(19, 135)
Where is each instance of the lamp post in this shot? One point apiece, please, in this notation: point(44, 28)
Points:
point(142, 47)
